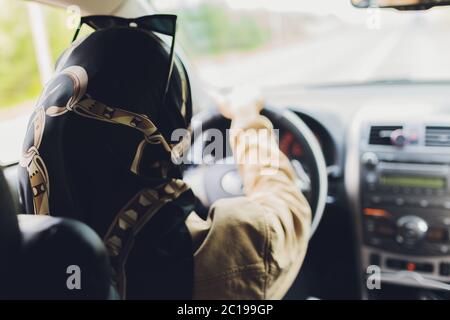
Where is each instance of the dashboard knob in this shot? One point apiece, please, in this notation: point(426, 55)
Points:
point(370, 160)
point(398, 138)
point(411, 230)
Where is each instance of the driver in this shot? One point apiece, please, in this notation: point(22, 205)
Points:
point(98, 149)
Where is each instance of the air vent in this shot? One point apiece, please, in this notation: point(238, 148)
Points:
point(437, 137)
point(381, 135)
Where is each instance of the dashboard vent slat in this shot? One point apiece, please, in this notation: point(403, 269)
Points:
point(437, 136)
point(381, 135)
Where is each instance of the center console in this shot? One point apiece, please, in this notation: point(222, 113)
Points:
point(398, 181)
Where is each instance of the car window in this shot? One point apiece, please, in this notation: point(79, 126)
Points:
point(31, 38)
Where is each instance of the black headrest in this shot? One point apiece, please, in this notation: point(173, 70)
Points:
point(38, 254)
point(9, 231)
point(60, 259)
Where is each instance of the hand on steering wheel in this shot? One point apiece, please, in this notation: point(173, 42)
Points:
point(219, 179)
point(243, 102)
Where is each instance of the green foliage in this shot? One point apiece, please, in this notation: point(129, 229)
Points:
point(19, 73)
point(19, 77)
point(212, 30)
point(59, 34)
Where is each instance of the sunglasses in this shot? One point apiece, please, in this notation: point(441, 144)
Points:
point(161, 23)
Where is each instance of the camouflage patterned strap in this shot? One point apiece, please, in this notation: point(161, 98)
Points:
point(35, 165)
point(130, 220)
point(97, 110)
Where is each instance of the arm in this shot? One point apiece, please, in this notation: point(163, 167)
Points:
point(252, 247)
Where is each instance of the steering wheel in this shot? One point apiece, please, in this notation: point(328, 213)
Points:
point(213, 177)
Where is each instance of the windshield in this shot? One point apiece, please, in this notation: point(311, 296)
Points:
point(230, 42)
point(310, 42)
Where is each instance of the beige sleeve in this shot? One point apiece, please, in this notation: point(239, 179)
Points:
point(252, 247)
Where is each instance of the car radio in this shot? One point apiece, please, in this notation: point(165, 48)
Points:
point(405, 209)
point(404, 199)
point(405, 206)
point(397, 179)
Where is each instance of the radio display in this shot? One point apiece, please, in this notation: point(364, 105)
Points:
point(413, 181)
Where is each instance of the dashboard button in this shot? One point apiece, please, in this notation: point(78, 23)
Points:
point(371, 178)
point(375, 200)
point(411, 230)
point(424, 203)
point(370, 160)
point(395, 264)
point(444, 269)
point(424, 267)
point(437, 235)
point(374, 241)
point(398, 138)
point(370, 225)
point(444, 249)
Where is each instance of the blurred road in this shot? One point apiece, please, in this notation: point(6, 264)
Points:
point(413, 49)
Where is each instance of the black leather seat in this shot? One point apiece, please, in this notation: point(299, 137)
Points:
point(39, 254)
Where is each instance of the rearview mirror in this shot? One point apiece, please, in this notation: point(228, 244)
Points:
point(400, 4)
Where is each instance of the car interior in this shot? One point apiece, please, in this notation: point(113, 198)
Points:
point(359, 91)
